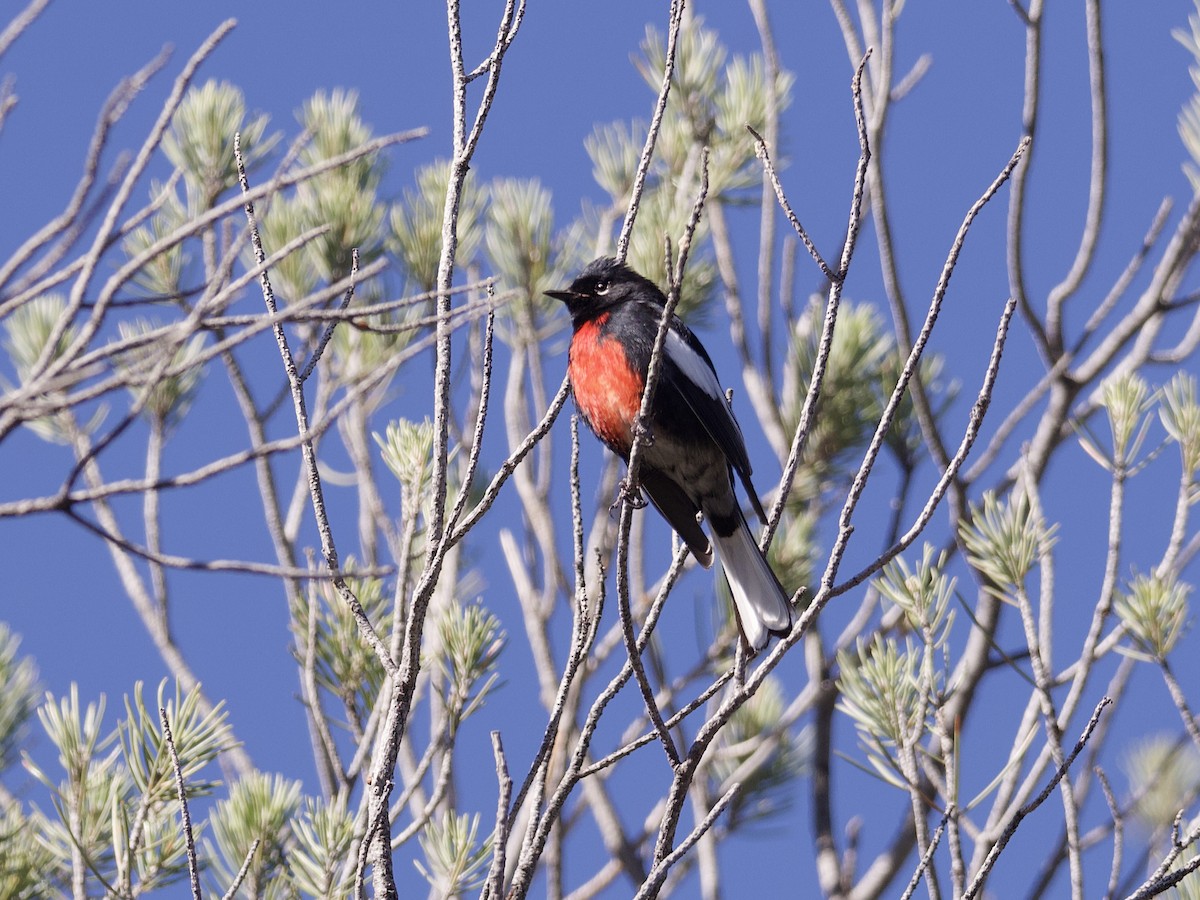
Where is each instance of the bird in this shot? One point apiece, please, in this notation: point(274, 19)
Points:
point(694, 445)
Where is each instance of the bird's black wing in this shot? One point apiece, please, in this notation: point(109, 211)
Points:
point(689, 373)
point(679, 511)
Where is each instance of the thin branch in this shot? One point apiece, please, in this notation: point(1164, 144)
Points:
point(539, 830)
point(510, 464)
point(405, 675)
point(639, 180)
point(641, 433)
point(65, 499)
point(978, 411)
point(500, 835)
point(243, 871)
point(184, 815)
point(69, 219)
point(1118, 829)
point(20, 22)
point(909, 372)
point(1127, 275)
point(760, 150)
point(35, 387)
point(1017, 198)
point(825, 344)
point(1163, 879)
point(927, 857)
point(1019, 816)
point(184, 563)
point(485, 389)
point(707, 694)
point(653, 883)
point(48, 363)
point(1096, 184)
point(328, 548)
point(328, 333)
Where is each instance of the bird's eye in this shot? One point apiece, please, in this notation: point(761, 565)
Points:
point(601, 287)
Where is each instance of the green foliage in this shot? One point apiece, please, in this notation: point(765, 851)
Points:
point(753, 727)
point(470, 640)
point(342, 662)
point(260, 808)
point(319, 861)
point(923, 594)
point(852, 398)
point(27, 864)
point(1161, 772)
point(664, 212)
point(116, 806)
point(161, 275)
point(884, 693)
point(793, 552)
point(743, 100)
point(167, 396)
point(519, 234)
point(614, 150)
point(1189, 116)
point(527, 256)
point(94, 782)
point(28, 332)
point(711, 103)
point(1126, 399)
point(335, 127)
point(455, 862)
point(18, 694)
point(1154, 611)
point(416, 224)
point(199, 738)
point(280, 221)
point(709, 106)
point(200, 141)
point(1004, 539)
point(1180, 415)
point(407, 449)
point(343, 199)
point(1188, 888)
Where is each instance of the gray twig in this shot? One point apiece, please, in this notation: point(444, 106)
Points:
point(184, 815)
point(639, 180)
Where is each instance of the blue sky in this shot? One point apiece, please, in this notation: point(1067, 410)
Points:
point(569, 69)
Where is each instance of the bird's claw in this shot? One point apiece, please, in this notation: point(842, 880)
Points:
point(629, 493)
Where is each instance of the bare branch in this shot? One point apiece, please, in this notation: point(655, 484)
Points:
point(185, 816)
point(639, 181)
point(977, 883)
point(500, 836)
point(652, 884)
point(328, 549)
point(760, 150)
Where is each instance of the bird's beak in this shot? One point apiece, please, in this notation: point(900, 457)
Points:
point(564, 296)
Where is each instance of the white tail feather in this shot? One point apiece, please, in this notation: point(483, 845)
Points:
point(761, 604)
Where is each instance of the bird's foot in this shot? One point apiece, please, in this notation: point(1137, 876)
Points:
point(628, 492)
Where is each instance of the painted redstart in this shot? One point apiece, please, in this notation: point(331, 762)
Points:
point(694, 444)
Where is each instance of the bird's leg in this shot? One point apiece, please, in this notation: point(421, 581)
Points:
point(630, 491)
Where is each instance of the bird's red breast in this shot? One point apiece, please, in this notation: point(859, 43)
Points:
point(607, 389)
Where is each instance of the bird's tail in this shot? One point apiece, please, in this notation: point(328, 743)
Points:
point(759, 599)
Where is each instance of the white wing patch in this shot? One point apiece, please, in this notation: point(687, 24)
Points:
point(693, 366)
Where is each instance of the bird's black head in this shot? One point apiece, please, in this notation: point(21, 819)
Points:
point(603, 284)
